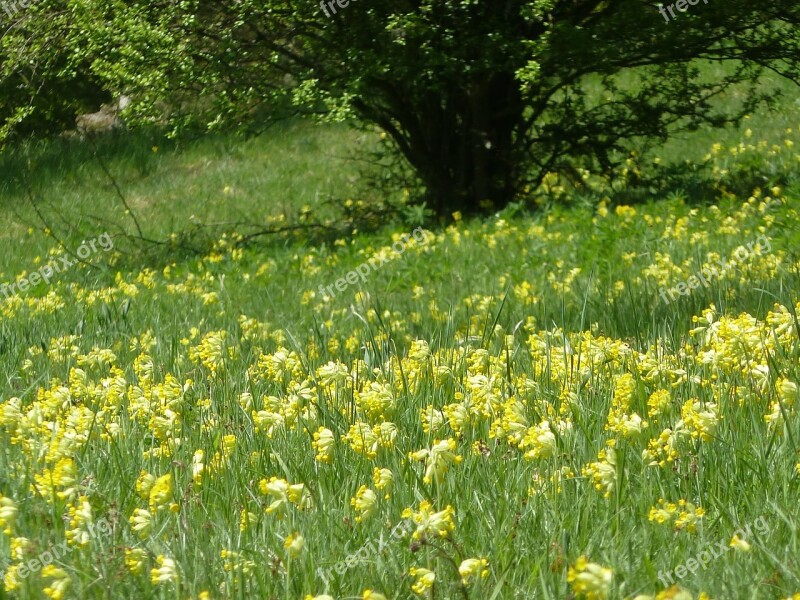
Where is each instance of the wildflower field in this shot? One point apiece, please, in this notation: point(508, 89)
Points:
point(508, 408)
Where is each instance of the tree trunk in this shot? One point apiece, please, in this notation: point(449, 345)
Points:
point(467, 155)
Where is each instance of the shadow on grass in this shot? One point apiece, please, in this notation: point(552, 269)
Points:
point(43, 163)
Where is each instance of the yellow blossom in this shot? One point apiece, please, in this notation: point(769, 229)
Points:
point(424, 580)
point(135, 559)
point(165, 573)
point(365, 503)
point(430, 523)
point(294, 544)
point(739, 544)
point(589, 580)
point(438, 459)
point(473, 568)
point(323, 443)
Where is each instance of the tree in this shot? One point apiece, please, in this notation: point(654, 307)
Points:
point(480, 97)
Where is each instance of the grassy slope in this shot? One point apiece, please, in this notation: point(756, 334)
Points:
point(508, 286)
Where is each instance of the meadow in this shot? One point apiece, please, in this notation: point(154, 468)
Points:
point(508, 408)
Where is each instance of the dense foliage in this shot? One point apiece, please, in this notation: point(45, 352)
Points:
point(480, 98)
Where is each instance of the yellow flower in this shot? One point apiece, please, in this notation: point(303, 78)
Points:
point(161, 493)
point(438, 524)
point(10, 580)
point(739, 544)
point(294, 544)
point(590, 580)
point(365, 502)
point(8, 513)
point(141, 522)
point(473, 568)
point(672, 593)
point(58, 587)
point(438, 459)
point(700, 419)
point(198, 467)
point(787, 391)
point(663, 512)
point(362, 439)
point(540, 439)
point(299, 496)
point(284, 493)
point(235, 563)
point(63, 475)
point(658, 402)
point(166, 572)
point(277, 489)
point(689, 516)
point(382, 478)
point(246, 518)
point(370, 595)
point(323, 443)
point(135, 559)
point(603, 472)
point(425, 579)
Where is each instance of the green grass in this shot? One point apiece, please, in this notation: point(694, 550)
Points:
point(528, 318)
point(219, 183)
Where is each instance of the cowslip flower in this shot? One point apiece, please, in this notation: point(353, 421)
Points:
point(141, 522)
point(198, 466)
point(161, 493)
point(246, 518)
point(8, 514)
point(541, 441)
point(323, 443)
point(144, 483)
point(284, 494)
point(438, 459)
point(370, 595)
point(424, 580)
point(437, 524)
point(603, 472)
point(589, 579)
point(64, 475)
point(362, 439)
point(700, 419)
point(294, 544)
point(689, 516)
point(738, 543)
point(365, 502)
point(233, 562)
point(300, 496)
point(166, 572)
point(59, 584)
point(473, 568)
point(135, 559)
point(382, 478)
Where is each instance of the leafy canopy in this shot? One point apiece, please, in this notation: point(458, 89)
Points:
point(480, 98)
